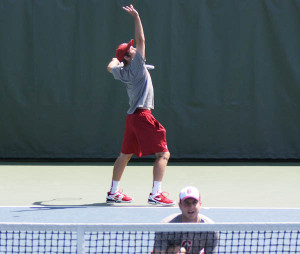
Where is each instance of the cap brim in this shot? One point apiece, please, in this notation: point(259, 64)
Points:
point(129, 44)
point(190, 197)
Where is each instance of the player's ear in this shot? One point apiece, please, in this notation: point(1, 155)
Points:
point(180, 204)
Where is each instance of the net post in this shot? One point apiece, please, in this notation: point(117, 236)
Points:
point(80, 240)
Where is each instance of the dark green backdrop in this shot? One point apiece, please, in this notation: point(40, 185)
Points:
point(227, 77)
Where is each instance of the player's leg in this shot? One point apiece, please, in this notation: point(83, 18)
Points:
point(120, 165)
point(128, 148)
point(114, 195)
point(159, 168)
point(151, 139)
point(160, 164)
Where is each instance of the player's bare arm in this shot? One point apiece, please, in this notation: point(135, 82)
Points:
point(114, 62)
point(139, 31)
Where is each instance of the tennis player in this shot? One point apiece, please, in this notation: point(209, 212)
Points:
point(144, 135)
point(192, 242)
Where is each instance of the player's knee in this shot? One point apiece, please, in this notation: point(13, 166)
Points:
point(163, 155)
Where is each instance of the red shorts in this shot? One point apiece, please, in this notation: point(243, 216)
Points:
point(144, 135)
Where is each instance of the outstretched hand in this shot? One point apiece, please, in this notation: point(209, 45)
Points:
point(138, 30)
point(130, 9)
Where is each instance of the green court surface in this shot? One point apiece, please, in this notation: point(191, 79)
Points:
point(235, 184)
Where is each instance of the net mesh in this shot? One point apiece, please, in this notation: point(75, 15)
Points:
point(38, 242)
point(149, 238)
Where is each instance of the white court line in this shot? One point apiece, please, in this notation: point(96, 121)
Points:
point(152, 207)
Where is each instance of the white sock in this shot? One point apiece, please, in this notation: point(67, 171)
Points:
point(114, 187)
point(156, 187)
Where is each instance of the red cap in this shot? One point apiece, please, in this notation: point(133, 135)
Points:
point(122, 49)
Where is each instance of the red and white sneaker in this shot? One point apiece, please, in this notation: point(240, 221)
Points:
point(118, 197)
point(160, 199)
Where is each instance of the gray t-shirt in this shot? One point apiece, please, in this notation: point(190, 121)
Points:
point(193, 242)
point(138, 83)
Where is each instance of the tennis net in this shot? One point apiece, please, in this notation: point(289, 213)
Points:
point(149, 238)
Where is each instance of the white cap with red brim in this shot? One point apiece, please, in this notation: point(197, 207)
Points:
point(189, 192)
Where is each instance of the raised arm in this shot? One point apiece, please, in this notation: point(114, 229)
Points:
point(139, 31)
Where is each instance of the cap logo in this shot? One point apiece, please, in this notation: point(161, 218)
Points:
point(189, 191)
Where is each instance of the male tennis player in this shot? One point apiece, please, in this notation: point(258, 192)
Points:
point(144, 135)
point(192, 242)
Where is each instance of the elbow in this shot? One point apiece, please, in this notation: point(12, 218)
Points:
point(140, 40)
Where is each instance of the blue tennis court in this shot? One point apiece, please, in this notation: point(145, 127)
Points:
point(88, 214)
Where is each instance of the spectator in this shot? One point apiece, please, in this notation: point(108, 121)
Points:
point(192, 242)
